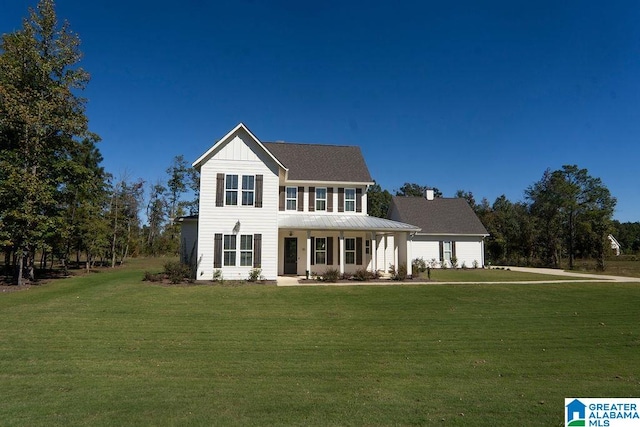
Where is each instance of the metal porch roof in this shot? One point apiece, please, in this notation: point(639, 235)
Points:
point(343, 222)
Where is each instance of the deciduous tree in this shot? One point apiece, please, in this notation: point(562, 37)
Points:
point(42, 121)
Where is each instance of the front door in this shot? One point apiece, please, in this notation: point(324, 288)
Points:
point(290, 255)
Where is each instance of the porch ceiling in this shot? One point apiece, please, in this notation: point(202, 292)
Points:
point(343, 222)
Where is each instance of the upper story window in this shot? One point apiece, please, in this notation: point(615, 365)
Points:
point(231, 190)
point(248, 190)
point(292, 198)
point(349, 199)
point(321, 199)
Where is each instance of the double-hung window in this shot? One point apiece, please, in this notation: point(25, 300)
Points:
point(248, 190)
point(229, 249)
point(349, 199)
point(231, 190)
point(447, 251)
point(292, 198)
point(349, 250)
point(321, 250)
point(321, 199)
point(246, 250)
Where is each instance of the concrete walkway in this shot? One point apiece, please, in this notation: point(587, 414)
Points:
point(579, 277)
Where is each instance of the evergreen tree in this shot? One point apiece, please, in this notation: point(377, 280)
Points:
point(378, 201)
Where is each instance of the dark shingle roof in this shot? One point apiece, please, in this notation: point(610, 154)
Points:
point(314, 162)
point(438, 216)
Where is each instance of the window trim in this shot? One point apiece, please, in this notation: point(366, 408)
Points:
point(348, 252)
point(251, 191)
point(446, 251)
point(321, 199)
point(227, 239)
point(244, 251)
point(348, 201)
point(288, 199)
point(229, 191)
point(317, 251)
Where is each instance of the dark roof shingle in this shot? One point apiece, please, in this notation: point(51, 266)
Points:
point(315, 162)
point(438, 216)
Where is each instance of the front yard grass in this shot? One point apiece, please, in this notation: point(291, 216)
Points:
point(479, 275)
point(108, 350)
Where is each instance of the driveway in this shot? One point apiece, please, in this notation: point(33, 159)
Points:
point(585, 276)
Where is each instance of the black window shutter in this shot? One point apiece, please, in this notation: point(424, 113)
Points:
point(358, 199)
point(220, 190)
point(359, 250)
point(441, 251)
point(330, 199)
point(312, 199)
point(340, 199)
point(453, 249)
point(329, 250)
point(282, 199)
point(259, 180)
point(217, 251)
point(313, 250)
point(257, 250)
point(300, 199)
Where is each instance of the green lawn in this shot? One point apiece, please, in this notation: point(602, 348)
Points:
point(488, 275)
point(108, 349)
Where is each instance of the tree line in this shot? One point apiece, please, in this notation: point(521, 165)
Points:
point(566, 215)
point(56, 200)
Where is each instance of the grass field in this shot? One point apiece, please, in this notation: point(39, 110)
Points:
point(614, 266)
point(107, 349)
point(487, 275)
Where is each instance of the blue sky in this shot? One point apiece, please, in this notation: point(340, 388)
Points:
point(480, 96)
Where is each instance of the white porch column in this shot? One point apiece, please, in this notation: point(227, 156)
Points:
point(385, 244)
point(409, 255)
point(396, 255)
point(374, 252)
point(341, 253)
point(309, 252)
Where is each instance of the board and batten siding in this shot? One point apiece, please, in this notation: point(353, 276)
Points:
point(239, 155)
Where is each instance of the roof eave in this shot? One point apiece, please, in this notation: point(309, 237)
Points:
point(329, 183)
point(454, 234)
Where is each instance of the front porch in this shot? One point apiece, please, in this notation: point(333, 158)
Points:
point(312, 244)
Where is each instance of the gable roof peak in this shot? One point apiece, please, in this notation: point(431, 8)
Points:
point(240, 126)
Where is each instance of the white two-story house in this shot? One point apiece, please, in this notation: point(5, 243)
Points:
point(288, 209)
